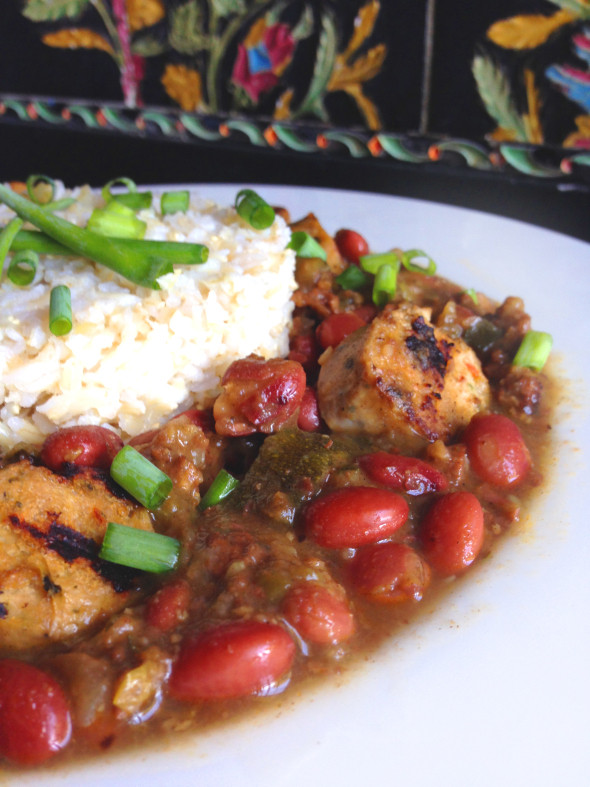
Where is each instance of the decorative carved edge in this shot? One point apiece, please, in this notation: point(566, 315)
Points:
point(562, 165)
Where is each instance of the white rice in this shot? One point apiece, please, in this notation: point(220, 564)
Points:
point(136, 356)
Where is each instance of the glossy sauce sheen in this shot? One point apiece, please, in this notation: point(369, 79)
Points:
point(333, 540)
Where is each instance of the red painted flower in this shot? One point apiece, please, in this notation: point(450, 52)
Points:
point(262, 58)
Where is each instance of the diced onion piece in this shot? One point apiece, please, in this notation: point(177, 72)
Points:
point(424, 265)
point(60, 310)
point(174, 202)
point(23, 267)
point(254, 210)
point(140, 549)
point(223, 485)
point(142, 479)
point(305, 246)
point(534, 350)
point(372, 262)
point(353, 278)
point(385, 284)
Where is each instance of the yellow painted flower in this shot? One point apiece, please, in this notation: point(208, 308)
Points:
point(144, 13)
point(581, 137)
point(183, 85)
point(77, 38)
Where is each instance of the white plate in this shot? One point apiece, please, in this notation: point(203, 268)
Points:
point(493, 688)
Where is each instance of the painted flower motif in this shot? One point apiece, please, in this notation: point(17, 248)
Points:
point(575, 82)
point(262, 58)
point(183, 85)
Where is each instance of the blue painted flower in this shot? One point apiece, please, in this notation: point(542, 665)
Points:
point(575, 82)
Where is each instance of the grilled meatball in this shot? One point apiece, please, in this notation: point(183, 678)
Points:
point(402, 379)
point(52, 583)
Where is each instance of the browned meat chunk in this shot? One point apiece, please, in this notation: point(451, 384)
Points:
point(52, 583)
point(402, 379)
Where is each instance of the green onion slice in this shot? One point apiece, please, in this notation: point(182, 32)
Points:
point(174, 202)
point(254, 210)
point(372, 262)
point(352, 278)
point(35, 180)
point(141, 549)
point(23, 267)
point(534, 350)
point(59, 204)
point(60, 310)
point(305, 246)
point(136, 200)
point(116, 220)
point(142, 479)
point(385, 284)
point(472, 294)
point(108, 195)
point(7, 236)
point(223, 485)
point(417, 261)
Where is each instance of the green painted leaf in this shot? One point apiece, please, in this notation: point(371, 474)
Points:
point(292, 140)
point(495, 92)
point(578, 7)
point(186, 26)
point(524, 161)
point(50, 10)
point(228, 7)
point(396, 146)
point(304, 26)
point(147, 45)
point(475, 156)
point(324, 65)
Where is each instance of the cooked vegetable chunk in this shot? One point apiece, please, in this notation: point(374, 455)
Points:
point(52, 583)
point(402, 379)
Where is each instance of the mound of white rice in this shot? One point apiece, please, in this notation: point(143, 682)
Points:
point(135, 356)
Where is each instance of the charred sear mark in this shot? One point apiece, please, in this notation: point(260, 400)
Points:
point(429, 354)
point(71, 545)
point(3, 611)
point(50, 587)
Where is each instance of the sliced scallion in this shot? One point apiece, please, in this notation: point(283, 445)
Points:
point(7, 236)
point(116, 221)
point(254, 210)
point(32, 184)
point(353, 278)
point(60, 310)
point(136, 200)
point(417, 261)
point(174, 202)
point(138, 264)
point(23, 267)
point(472, 294)
point(223, 485)
point(140, 549)
point(176, 252)
point(142, 479)
point(306, 247)
point(385, 284)
point(59, 204)
point(108, 195)
point(372, 262)
point(534, 350)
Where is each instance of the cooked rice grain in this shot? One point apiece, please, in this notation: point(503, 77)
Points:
point(136, 356)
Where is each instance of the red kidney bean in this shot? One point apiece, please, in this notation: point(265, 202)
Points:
point(452, 532)
point(390, 573)
point(351, 245)
point(232, 660)
point(496, 450)
point(85, 446)
point(258, 396)
point(318, 615)
point(403, 472)
point(35, 721)
point(353, 516)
